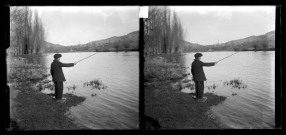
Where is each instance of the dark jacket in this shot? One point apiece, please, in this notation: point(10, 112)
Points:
point(198, 71)
point(57, 71)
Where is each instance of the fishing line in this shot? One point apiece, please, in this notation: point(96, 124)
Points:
point(85, 58)
point(227, 56)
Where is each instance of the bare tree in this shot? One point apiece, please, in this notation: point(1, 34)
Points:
point(163, 33)
point(26, 36)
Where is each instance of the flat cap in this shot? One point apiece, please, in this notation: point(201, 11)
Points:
point(57, 55)
point(198, 55)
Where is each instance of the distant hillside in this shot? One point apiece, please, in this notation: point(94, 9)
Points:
point(191, 47)
point(129, 42)
point(261, 42)
point(49, 47)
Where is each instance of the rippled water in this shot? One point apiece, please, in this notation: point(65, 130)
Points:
point(253, 107)
point(117, 106)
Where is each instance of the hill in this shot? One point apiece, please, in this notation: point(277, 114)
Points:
point(261, 42)
point(50, 47)
point(128, 42)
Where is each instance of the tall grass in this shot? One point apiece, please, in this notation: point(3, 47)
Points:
point(162, 70)
point(21, 71)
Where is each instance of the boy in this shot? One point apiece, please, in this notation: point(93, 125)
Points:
point(58, 76)
point(199, 76)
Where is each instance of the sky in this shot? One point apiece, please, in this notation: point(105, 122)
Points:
point(207, 25)
point(71, 25)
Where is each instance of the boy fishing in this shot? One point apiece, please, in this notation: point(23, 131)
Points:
point(58, 76)
point(199, 76)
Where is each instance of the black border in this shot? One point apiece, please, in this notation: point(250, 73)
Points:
point(141, 75)
point(279, 66)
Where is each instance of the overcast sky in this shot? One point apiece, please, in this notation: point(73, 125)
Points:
point(70, 25)
point(211, 24)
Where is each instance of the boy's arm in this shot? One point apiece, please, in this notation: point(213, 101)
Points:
point(66, 64)
point(208, 64)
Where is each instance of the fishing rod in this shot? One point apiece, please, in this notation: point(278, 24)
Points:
point(227, 56)
point(85, 58)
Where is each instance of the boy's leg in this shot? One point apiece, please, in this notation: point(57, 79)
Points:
point(58, 90)
point(197, 89)
point(60, 94)
point(200, 89)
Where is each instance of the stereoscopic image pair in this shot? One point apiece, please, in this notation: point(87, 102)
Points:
point(204, 67)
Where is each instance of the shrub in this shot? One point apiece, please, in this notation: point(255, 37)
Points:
point(161, 69)
point(21, 71)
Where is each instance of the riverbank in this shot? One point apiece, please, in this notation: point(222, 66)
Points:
point(166, 107)
point(30, 109)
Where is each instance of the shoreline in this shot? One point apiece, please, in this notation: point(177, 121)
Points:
point(169, 108)
point(166, 106)
point(31, 109)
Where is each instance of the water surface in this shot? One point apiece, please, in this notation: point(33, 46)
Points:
point(115, 107)
point(252, 107)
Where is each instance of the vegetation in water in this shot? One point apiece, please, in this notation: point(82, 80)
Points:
point(95, 84)
point(211, 87)
point(73, 87)
point(191, 86)
point(235, 83)
point(42, 85)
point(233, 94)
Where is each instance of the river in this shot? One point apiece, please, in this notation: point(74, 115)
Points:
point(250, 107)
point(117, 106)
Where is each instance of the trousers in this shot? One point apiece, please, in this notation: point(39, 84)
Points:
point(199, 85)
point(58, 90)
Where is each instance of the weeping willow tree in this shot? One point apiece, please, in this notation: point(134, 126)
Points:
point(163, 31)
point(27, 32)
